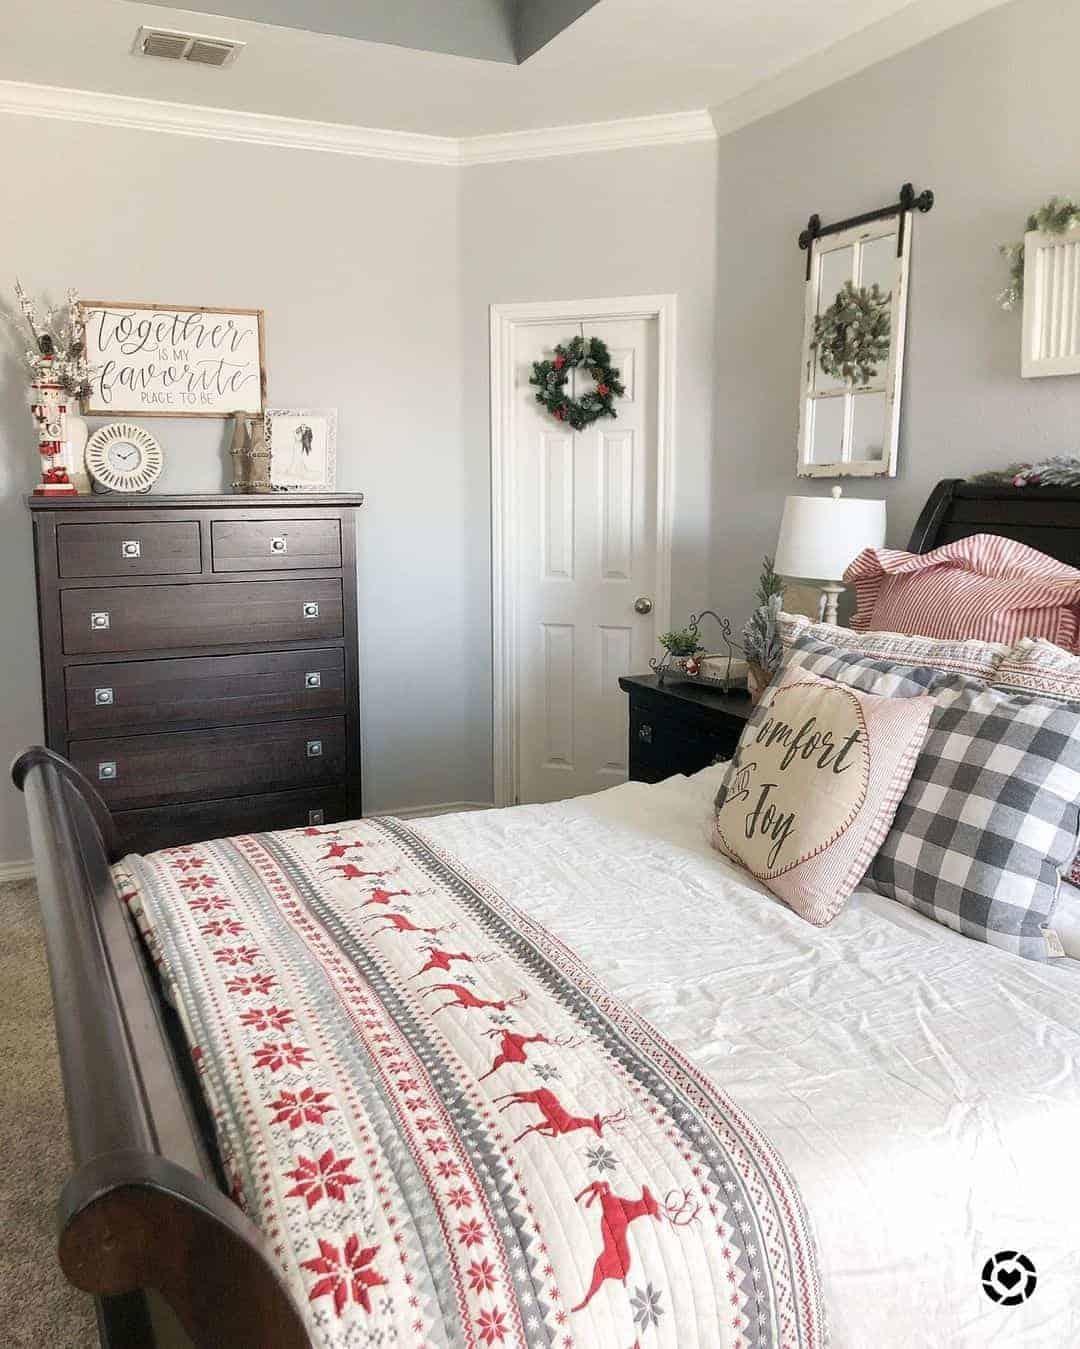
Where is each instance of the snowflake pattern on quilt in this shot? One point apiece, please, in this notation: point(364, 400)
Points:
point(450, 1132)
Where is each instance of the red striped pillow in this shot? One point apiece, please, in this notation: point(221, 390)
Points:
point(985, 587)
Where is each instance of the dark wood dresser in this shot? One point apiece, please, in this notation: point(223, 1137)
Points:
point(199, 658)
point(678, 727)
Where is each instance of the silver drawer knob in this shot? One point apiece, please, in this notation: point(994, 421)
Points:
point(106, 771)
point(131, 548)
point(279, 543)
point(316, 817)
point(103, 697)
point(314, 749)
point(99, 622)
point(311, 609)
point(645, 733)
point(313, 680)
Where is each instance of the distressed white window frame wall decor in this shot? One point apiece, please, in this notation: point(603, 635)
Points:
point(822, 396)
point(1051, 324)
point(505, 318)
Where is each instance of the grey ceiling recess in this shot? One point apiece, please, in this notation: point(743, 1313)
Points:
point(487, 30)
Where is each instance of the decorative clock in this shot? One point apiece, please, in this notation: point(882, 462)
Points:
point(123, 458)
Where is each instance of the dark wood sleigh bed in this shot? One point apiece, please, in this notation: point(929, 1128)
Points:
point(144, 1221)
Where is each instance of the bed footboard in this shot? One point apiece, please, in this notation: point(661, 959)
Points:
point(142, 1210)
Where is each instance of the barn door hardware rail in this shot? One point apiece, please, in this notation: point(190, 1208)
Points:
point(908, 201)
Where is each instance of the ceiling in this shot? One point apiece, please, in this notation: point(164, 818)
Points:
point(490, 30)
point(618, 59)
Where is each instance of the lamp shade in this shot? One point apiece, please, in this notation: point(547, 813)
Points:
point(821, 536)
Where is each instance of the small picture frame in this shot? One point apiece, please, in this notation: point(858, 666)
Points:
point(303, 449)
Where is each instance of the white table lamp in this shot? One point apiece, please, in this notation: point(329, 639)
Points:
point(821, 536)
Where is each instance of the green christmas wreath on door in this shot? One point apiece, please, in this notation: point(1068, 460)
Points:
point(551, 378)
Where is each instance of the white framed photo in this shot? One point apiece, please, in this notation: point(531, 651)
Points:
point(303, 448)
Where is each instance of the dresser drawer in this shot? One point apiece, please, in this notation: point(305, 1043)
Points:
point(151, 548)
point(157, 618)
point(152, 770)
point(275, 545)
point(225, 689)
point(167, 827)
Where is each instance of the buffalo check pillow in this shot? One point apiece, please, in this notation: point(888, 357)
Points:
point(1039, 667)
point(813, 785)
point(990, 816)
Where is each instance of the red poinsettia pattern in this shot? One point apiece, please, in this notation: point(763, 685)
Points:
point(303, 1107)
point(276, 1054)
point(323, 1177)
point(346, 1271)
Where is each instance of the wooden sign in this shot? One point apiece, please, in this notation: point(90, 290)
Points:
point(152, 360)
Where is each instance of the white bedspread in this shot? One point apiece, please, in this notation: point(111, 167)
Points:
point(923, 1088)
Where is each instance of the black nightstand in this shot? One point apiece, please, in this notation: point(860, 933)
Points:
point(680, 727)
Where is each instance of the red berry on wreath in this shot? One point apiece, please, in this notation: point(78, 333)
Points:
point(559, 362)
point(602, 390)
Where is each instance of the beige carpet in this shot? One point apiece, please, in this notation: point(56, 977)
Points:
point(37, 1306)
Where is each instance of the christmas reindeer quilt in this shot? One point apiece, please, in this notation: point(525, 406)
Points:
point(450, 1131)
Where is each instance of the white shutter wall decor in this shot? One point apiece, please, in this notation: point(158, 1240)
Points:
point(1051, 324)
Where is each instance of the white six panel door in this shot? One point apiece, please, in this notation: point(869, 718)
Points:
point(586, 526)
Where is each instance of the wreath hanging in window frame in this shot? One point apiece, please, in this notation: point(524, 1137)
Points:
point(552, 376)
point(851, 337)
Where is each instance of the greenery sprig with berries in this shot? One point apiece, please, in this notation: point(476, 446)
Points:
point(551, 378)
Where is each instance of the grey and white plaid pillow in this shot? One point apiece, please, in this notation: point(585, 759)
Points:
point(990, 818)
point(991, 815)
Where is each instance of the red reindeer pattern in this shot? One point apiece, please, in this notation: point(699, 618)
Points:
point(512, 1048)
point(399, 923)
point(440, 960)
point(465, 1000)
point(616, 1215)
point(381, 896)
point(556, 1120)
point(349, 872)
point(340, 850)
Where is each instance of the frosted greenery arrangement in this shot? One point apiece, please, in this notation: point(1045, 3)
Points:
point(851, 337)
point(761, 633)
point(1056, 216)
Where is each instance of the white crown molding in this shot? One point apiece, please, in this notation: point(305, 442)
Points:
point(254, 128)
point(669, 128)
point(224, 124)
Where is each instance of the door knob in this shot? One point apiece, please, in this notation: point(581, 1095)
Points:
point(643, 605)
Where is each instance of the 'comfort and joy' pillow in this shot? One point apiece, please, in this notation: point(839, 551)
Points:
point(813, 787)
point(985, 586)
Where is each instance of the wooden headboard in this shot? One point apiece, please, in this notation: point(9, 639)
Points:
point(1046, 518)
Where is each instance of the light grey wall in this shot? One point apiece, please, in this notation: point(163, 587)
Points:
point(985, 115)
point(630, 222)
point(356, 264)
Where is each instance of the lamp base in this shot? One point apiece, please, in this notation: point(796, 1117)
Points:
point(831, 592)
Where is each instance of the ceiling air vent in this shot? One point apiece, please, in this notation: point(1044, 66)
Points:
point(193, 47)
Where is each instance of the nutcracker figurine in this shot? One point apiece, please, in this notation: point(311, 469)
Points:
point(59, 378)
point(50, 405)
